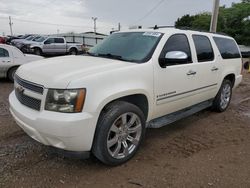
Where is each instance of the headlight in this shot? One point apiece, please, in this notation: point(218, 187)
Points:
point(66, 101)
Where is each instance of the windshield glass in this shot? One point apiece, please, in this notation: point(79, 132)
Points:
point(29, 38)
point(128, 46)
point(41, 39)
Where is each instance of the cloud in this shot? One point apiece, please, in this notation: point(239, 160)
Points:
point(29, 16)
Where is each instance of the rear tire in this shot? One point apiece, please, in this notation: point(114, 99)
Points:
point(11, 74)
point(73, 51)
point(119, 133)
point(223, 98)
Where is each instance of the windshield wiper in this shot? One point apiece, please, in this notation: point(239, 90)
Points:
point(112, 56)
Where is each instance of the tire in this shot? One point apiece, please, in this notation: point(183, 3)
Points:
point(73, 51)
point(37, 51)
point(114, 133)
point(11, 73)
point(223, 98)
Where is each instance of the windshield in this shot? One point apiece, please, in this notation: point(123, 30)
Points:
point(128, 46)
point(29, 38)
point(41, 39)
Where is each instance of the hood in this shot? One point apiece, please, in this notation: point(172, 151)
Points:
point(60, 71)
point(31, 57)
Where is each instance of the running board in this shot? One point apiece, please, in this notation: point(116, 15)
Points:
point(170, 118)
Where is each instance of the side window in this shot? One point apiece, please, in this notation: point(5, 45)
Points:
point(4, 53)
point(49, 41)
point(59, 40)
point(203, 48)
point(227, 47)
point(177, 42)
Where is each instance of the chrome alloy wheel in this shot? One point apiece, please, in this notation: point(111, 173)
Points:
point(225, 96)
point(124, 135)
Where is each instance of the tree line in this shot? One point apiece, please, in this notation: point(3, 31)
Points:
point(234, 21)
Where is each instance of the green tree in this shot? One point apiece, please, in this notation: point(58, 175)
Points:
point(233, 21)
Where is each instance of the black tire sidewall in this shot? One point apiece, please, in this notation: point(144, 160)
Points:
point(106, 120)
point(11, 73)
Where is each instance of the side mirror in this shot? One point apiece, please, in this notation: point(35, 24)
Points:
point(173, 58)
point(246, 65)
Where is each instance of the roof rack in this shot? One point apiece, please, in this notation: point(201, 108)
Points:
point(188, 28)
point(159, 27)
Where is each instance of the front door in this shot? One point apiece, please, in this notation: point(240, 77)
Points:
point(174, 84)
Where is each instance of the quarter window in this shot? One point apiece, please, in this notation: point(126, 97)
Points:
point(227, 47)
point(177, 42)
point(4, 53)
point(203, 48)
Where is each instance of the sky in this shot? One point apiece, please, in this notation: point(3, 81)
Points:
point(60, 16)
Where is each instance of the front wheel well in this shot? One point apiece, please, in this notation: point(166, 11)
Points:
point(231, 78)
point(12, 68)
point(139, 100)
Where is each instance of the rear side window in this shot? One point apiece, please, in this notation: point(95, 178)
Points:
point(4, 53)
point(227, 47)
point(203, 48)
point(59, 40)
point(177, 42)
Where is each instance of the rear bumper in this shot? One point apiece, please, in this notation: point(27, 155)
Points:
point(72, 132)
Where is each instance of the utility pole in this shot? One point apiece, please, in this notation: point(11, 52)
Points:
point(215, 14)
point(119, 26)
point(10, 23)
point(94, 19)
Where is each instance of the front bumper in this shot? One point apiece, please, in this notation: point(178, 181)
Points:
point(72, 132)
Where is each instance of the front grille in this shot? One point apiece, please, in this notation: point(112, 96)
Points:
point(28, 101)
point(29, 85)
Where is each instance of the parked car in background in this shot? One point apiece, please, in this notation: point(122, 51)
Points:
point(11, 58)
point(25, 48)
point(55, 46)
point(20, 39)
point(2, 40)
point(103, 103)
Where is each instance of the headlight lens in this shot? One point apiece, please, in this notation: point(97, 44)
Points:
point(65, 101)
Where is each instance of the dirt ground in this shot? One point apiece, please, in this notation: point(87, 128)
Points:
point(207, 149)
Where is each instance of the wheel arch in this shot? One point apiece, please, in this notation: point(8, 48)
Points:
point(231, 77)
point(139, 99)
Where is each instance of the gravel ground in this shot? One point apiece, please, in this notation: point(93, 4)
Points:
point(205, 150)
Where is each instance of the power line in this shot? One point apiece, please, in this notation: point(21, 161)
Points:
point(150, 11)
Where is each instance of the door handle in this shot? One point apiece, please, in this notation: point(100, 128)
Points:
point(214, 69)
point(191, 73)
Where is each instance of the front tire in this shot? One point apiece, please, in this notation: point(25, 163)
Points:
point(223, 98)
point(11, 74)
point(37, 51)
point(120, 131)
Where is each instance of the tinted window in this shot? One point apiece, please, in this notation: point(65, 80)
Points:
point(178, 42)
point(59, 40)
point(128, 46)
point(203, 48)
point(227, 47)
point(49, 41)
point(4, 53)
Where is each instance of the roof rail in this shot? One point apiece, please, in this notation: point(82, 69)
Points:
point(159, 27)
point(191, 29)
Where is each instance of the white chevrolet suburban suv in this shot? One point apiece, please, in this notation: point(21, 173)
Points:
point(103, 102)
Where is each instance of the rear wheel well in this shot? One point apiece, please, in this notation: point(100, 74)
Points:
point(138, 100)
point(73, 48)
point(12, 68)
point(231, 78)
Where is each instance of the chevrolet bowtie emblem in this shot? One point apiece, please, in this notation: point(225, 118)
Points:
point(19, 89)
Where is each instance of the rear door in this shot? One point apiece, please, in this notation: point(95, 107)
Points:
point(207, 66)
point(60, 45)
point(174, 84)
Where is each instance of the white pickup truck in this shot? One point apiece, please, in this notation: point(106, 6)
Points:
point(102, 103)
point(55, 46)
